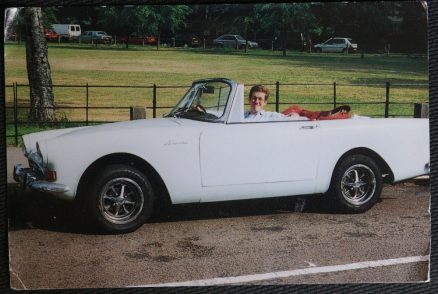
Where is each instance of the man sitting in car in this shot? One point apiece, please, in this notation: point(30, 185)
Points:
point(258, 99)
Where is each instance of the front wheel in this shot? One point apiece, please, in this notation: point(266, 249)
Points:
point(356, 184)
point(121, 199)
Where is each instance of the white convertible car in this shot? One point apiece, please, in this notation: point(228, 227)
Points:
point(205, 151)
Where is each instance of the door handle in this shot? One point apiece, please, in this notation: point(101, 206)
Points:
point(308, 127)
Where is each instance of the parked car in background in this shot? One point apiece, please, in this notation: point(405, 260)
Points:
point(51, 35)
point(182, 40)
point(337, 45)
point(235, 41)
point(70, 32)
point(96, 37)
point(138, 40)
point(187, 40)
point(205, 150)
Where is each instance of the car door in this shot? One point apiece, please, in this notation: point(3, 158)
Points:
point(340, 45)
point(329, 46)
point(243, 154)
point(84, 37)
point(88, 37)
point(230, 41)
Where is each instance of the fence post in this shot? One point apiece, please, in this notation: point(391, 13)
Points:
point(387, 100)
point(86, 108)
point(16, 113)
point(154, 101)
point(277, 96)
point(334, 94)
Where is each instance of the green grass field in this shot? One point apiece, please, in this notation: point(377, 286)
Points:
point(75, 64)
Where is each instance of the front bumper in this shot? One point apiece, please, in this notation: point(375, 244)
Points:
point(28, 178)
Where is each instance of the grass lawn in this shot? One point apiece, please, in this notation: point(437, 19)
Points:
point(77, 65)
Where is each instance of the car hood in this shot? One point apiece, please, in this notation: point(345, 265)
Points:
point(111, 128)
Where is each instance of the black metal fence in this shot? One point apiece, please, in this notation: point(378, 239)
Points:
point(18, 107)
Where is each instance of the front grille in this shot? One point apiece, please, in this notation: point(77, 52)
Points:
point(36, 169)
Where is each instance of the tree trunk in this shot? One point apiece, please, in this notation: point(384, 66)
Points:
point(284, 42)
point(42, 106)
point(246, 38)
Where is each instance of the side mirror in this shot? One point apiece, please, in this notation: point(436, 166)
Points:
point(208, 89)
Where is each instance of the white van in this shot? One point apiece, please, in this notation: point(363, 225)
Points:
point(68, 31)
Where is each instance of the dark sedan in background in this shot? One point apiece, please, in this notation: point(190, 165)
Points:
point(182, 40)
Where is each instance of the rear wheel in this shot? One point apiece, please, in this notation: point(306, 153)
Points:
point(121, 199)
point(356, 184)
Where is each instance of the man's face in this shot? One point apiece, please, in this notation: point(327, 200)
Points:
point(257, 101)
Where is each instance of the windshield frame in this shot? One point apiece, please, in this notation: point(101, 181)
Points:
point(195, 87)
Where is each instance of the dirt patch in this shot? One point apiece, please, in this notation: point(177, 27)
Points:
point(155, 244)
point(195, 249)
point(269, 229)
point(138, 255)
point(164, 258)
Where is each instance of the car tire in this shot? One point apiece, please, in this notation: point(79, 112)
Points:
point(356, 184)
point(318, 50)
point(121, 199)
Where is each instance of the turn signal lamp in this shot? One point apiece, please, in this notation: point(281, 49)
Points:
point(51, 175)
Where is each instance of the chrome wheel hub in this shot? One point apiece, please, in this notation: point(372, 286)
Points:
point(121, 200)
point(358, 184)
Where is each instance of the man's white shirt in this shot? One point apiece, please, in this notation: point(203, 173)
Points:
point(268, 116)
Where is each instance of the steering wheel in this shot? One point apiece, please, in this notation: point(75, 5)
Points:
point(199, 108)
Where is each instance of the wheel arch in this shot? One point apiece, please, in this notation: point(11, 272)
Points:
point(161, 191)
point(388, 175)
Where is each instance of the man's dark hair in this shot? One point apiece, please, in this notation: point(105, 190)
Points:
point(259, 88)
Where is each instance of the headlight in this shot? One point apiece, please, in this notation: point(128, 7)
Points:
point(36, 160)
point(39, 150)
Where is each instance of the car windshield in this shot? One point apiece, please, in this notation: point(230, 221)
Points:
point(204, 101)
point(238, 37)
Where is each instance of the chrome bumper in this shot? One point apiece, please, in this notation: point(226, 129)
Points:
point(28, 178)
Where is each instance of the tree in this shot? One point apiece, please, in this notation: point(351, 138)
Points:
point(152, 19)
point(413, 30)
point(368, 23)
point(126, 20)
point(286, 17)
point(42, 105)
point(246, 20)
point(49, 16)
point(170, 17)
